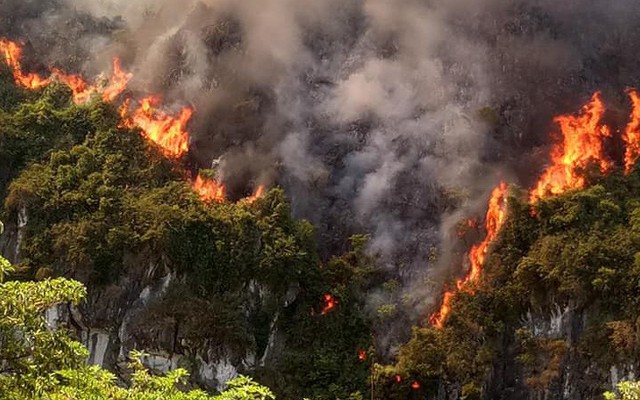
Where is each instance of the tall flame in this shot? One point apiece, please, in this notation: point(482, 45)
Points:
point(582, 143)
point(209, 189)
point(631, 135)
point(496, 215)
point(12, 53)
point(108, 91)
point(258, 194)
point(167, 131)
point(117, 83)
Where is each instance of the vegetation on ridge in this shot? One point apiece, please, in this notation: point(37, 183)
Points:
point(105, 207)
point(576, 254)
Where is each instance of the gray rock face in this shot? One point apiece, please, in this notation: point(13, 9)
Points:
point(11, 239)
point(578, 377)
point(106, 322)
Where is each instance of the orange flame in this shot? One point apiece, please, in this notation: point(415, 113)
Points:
point(496, 215)
point(330, 303)
point(258, 194)
point(167, 131)
point(415, 385)
point(362, 355)
point(398, 378)
point(109, 91)
point(582, 143)
point(631, 135)
point(209, 189)
point(117, 83)
point(12, 54)
point(82, 91)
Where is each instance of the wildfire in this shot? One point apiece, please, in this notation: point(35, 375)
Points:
point(330, 302)
point(167, 131)
point(415, 385)
point(117, 83)
point(582, 143)
point(494, 220)
point(631, 134)
point(362, 355)
point(258, 194)
point(108, 91)
point(12, 54)
point(209, 189)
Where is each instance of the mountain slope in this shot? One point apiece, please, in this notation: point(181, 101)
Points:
point(556, 312)
point(217, 287)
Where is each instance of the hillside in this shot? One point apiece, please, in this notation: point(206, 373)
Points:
point(319, 200)
point(555, 314)
point(214, 286)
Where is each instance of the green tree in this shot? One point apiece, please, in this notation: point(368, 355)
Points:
point(38, 361)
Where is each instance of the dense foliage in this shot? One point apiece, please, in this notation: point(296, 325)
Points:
point(105, 207)
point(578, 253)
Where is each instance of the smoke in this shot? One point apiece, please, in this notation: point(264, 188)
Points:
point(393, 118)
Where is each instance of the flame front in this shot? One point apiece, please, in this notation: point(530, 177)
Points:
point(631, 135)
point(108, 91)
point(496, 215)
point(209, 189)
point(117, 83)
point(167, 131)
point(582, 143)
point(12, 54)
point(82, 91)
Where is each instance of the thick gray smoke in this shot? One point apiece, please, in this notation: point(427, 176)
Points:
point(393, 118)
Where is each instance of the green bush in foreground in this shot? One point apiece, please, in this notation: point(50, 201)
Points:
point(39, 362)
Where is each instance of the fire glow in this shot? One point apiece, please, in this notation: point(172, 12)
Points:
point(329, 303)
point(109, 90)
point(167, 131)
point(258, 194)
